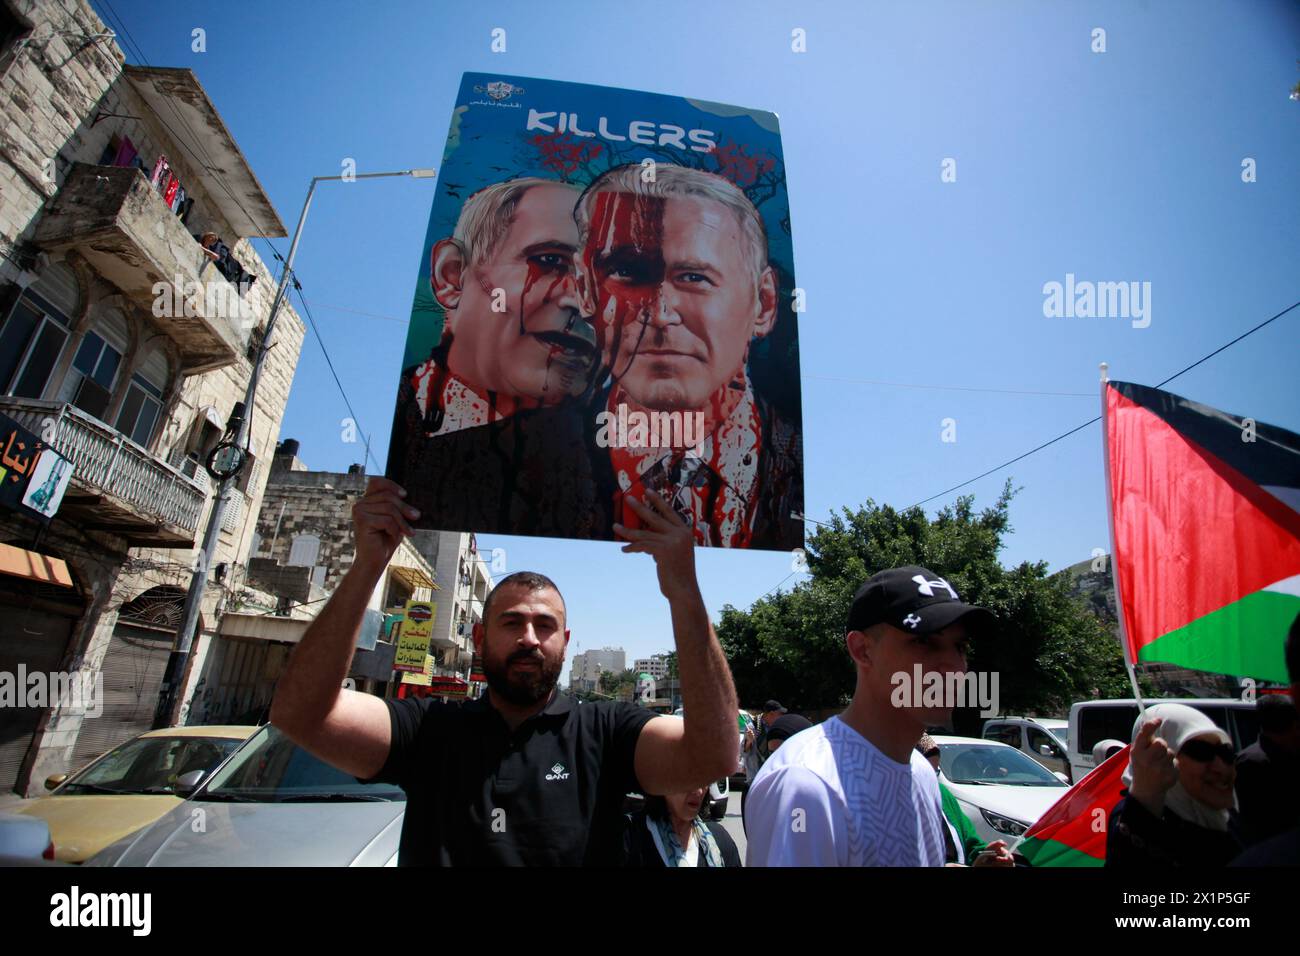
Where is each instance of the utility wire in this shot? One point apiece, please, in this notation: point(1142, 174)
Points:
point(1097, 418)
point(955, 388)
point(330, 362)
point(209, 166)
point(206, 160)
point(1066, 434)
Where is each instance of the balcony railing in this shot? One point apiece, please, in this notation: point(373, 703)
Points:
point(116, 486)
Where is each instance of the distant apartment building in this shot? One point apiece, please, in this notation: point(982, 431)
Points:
point(656, 665)
point(302, 546)
point(585, 668)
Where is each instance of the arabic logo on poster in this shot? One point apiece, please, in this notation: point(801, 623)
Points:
point(499, 90)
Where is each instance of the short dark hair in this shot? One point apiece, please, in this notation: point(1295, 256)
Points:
point(532, 580)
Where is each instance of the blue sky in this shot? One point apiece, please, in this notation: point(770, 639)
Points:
point(1115, 166)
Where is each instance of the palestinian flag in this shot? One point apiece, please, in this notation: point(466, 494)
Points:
point(1205, 510)
point(1072, 833)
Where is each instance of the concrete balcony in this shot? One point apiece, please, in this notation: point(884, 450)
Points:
point(113, 217)
point(117, 486)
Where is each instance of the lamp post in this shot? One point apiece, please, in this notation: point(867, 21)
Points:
point(235, 446)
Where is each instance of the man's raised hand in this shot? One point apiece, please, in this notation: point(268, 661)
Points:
point(668, 539)
point(380, 522)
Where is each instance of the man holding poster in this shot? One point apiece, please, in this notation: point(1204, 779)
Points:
point(522, 776)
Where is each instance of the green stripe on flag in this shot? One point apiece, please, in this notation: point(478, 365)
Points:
point(1051, 853)
point(1244, 638)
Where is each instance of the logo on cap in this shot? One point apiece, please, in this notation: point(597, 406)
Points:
point(911, 621)
point(927, 587)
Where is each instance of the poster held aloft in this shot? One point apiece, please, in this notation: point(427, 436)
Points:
point(604, 308)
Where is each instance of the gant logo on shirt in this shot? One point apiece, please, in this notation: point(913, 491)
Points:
point(558, 773)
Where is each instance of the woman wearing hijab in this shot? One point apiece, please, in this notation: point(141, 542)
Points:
point(669, 832)
point(1179, 805)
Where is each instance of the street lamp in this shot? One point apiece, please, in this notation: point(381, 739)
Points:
point(168, 696)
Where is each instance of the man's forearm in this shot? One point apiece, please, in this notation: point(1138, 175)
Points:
point(708, 694)
point(314, 676)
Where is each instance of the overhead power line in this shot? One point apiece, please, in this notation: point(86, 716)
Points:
point(1065, 434)
point(1097, 418)
point(330, 362)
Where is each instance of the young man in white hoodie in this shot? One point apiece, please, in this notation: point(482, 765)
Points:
point(853, 791)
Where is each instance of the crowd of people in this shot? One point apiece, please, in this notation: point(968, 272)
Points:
point(525, 776)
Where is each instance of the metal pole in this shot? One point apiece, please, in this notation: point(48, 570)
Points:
point(174, 676)
point(1110, 524)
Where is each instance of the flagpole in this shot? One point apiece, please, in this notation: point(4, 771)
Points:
point(1110, 525)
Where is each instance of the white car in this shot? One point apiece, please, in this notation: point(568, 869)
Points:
point(1092, 721)
point(1001, 789)
point(1046, 739)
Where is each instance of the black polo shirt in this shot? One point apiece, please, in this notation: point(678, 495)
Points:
point(548, 794)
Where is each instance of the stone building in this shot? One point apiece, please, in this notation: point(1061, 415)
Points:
point(124, 345)
point(305, 529)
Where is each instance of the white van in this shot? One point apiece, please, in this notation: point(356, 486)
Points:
point(1092, 721)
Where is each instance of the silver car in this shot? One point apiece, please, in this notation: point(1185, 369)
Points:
point(271, 804)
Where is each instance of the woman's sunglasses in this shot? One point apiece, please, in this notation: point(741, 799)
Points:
point(1202, 751)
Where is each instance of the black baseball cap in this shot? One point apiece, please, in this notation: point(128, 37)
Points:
point(916, 600)
point(772, 705)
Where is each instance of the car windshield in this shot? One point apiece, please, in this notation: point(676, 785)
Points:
point(150, 765)
point(1062, 734)
point(271, 768)
point(984, 764)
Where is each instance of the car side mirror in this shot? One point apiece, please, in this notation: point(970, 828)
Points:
point(1045, 750)
point(189, 782)
point(54, 780)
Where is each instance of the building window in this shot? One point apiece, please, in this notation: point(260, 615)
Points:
point(35, 332)
point(90, 383)
point(140, 410)
point(29, 347)
point(90, 380)
point(304, 551)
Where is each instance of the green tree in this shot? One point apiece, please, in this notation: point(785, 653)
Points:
point(670, 661)
point(1048, 649)
point(611, 682)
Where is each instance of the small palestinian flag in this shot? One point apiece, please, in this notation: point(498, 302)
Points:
point(1073, 831)
point(1205, 510)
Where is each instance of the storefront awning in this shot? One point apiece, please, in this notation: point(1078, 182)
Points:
point(262, 627)
point(412, 577)
point(34, 567)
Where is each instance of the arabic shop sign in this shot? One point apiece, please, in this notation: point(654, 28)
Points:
point(33, 477)
point(414, 636)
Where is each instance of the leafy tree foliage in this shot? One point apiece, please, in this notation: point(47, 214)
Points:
point(1049, 649)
